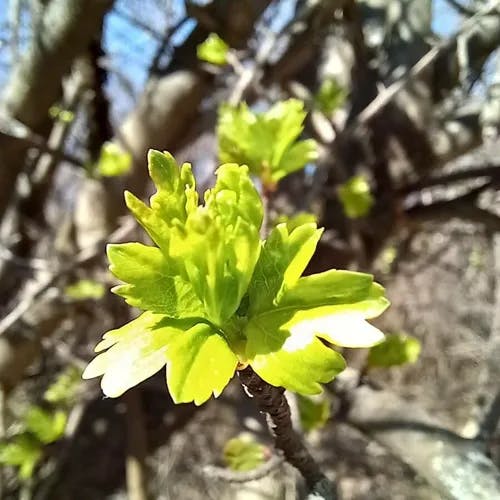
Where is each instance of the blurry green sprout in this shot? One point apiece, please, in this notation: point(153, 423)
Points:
point(213, 50)
point(216, 298)
point(45, 425)
point(63, 390)
point(394, 350)
point(63, 115)
point(244, 453)
point(25, 450)
point(266, 142)
point(113, 161)
point(85, 289)
point(330, 96)
point(314, 411)
point(356, 197)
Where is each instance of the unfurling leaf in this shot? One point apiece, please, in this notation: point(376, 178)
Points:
point(396, 349)
point(266, 142)
point(213, 50)
point(356, 197)
point(243, 453)
point(215, 297)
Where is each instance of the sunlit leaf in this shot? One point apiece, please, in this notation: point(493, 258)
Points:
point(219, 244)
point(266, 142)
point(243, 453)
point(283, 259)
point(200, 364)
point(213, 50)
point(215, 295)
point(135, 352)
point(396, 349)
point(356, 197)
point(152, 281)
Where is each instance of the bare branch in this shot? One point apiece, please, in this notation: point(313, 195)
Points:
point(388, 94)
point(50, 279)
point(460, 8)
point(467, 173)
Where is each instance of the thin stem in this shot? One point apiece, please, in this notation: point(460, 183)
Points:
point(272, 402)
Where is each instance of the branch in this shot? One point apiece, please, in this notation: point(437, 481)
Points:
point(461, 9)
point(272, 402)
point(388, 94)
point(36, 141)
point(50, 279)
point(491, 171)
point(463, 207)
point(446, 461)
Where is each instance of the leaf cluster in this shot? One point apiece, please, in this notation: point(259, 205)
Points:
point(39, 428)
point(216, 298)
point(267, 142)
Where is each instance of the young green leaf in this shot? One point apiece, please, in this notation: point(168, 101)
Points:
point(213, 50)
point(113, 161)
point(153, 281)
point(243, 453)
point(396, 349)
point(63, 391)
point(135, 352)
point(219, 244)
point(24, 452)
point(283, 259)
point(85, 289)
point(330, 96)
point(216, 296)
point(266, 142)
point(174, 200)
point(314, 411)
point(200, 364)
point(46, 426)
point(356, 197)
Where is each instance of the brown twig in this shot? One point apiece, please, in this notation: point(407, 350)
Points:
point(272, 402)
point(491, 171)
